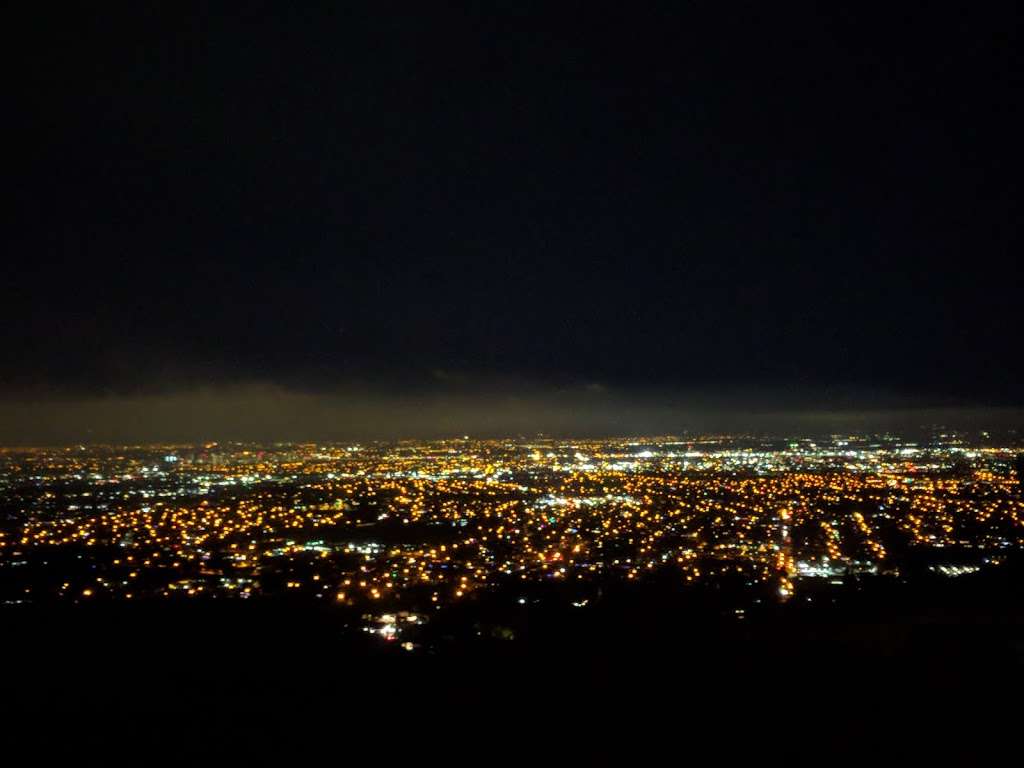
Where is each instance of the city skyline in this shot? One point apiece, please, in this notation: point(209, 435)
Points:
point(560, 366)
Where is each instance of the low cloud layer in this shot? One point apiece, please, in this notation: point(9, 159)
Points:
point(269, 413)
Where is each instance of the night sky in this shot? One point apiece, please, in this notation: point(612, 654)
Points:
point(390, 218)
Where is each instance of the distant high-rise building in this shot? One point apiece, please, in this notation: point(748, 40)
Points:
point(1020, 471)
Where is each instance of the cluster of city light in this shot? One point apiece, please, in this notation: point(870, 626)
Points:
point(416, 526)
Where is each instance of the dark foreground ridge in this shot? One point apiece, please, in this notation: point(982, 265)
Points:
point(885, 642)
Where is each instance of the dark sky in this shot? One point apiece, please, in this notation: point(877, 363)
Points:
point(417, 201)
